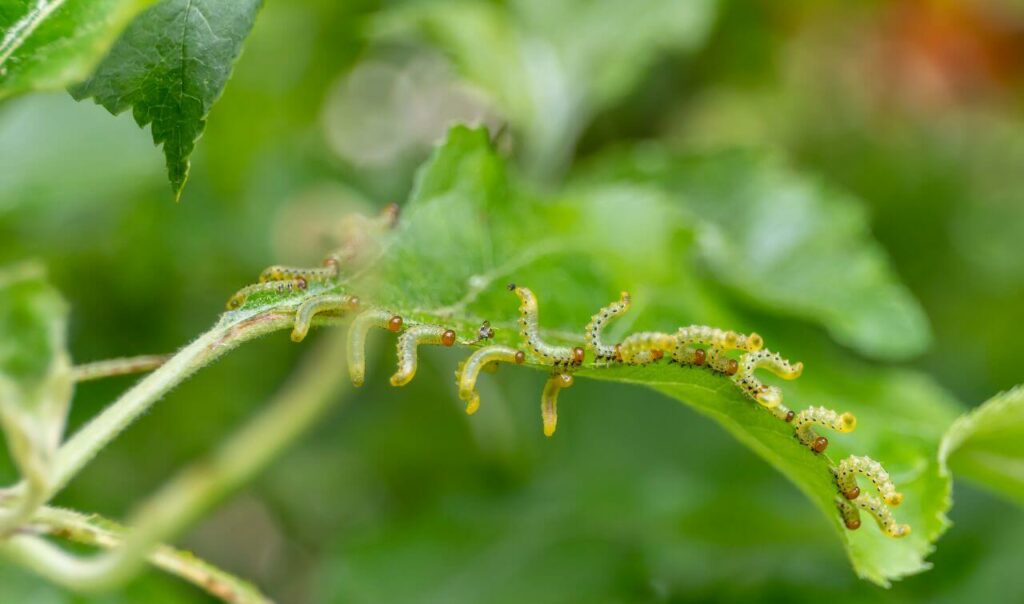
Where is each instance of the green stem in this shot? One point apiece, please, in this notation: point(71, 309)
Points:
point(99, 532)
point(177, 504)
point(112, 367)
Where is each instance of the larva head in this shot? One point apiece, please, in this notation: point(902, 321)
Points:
point(657, 354)
point(847, 422)
point(898, 530)
point(819, 444)
point(699, 356)
point(473, 404)
point(852, 493)
point(789, 416)
point(236, 301)
point(769, 396)
point(448, 337)
point(301, 283)
point(618, 353)
point(894, 499)
point(577, 356)
point(731, 367)
point(520, 357)
point(754, 342)
point(395, 324)
point(852, 523)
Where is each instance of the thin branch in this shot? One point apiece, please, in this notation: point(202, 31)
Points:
point(112, 367)
point(306, 396)
point(100, 532)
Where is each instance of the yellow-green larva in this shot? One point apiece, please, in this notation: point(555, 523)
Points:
point(481, 360)
point(238, 299)
point(811, 416)
point(846, 477)
point(769, 396)
point(374, 317)
point(290, 273)
point(409, 341)
point(320, 304)
point(850, 512)
point(561, 357)
point(549, 400)
point(604, 353)
point(645, 347)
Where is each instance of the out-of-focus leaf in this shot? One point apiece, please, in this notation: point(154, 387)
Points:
point(785, 243)
point(170, 67)
point(50, 44)
point(987, 445)
point(552, 66)
point(467, 231)
point(35, 369)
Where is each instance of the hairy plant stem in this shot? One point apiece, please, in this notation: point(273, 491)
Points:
point(99, 532)
point(178, 503)
point(113, 367)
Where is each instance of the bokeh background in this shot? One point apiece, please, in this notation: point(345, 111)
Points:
point(913, 107)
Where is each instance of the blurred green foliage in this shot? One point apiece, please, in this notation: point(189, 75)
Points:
point(399, 496)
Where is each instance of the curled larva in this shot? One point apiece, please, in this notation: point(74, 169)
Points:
point(320, 304)
point(717, 341)
point(481, 360)
point(645, 347)
point(549, 400)
point(374, 317)
point(409, 341)
point(563, 357)
point(846, 477)
point(769, 396)
point(850, 512)
point(804, 420)
point(238, 299)
point(605, 353)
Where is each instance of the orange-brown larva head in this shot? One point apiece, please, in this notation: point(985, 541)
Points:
point(448, 337)
point(731, 367)
point(618, 352)
point(657, 354)
point(819, 445)
point(852, 493)
point(699, 356)
point(853, 523)
point(577, 356)
point(394, 324)
point(789, 416)
point(520, 357)
point(301, 282)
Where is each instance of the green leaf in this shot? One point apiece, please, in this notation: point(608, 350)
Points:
point(170, 67)
point(551, 66)
point(785, 243)
point(35, 369)
point(987, 445)
point(50, 44)
point(469, 229)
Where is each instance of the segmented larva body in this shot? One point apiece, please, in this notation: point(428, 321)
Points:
point(238, 299)
point(806, 419)
point(484, 359)
point(409, 341)
point(289, 273)
point(646, 347)
point(846, 477)
point(321, 304)
point(549, 400)
point(374, 317)
point(769, 396)
point(718, 343)
point(605, 353)
point(850, 512)
point(562, 357)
